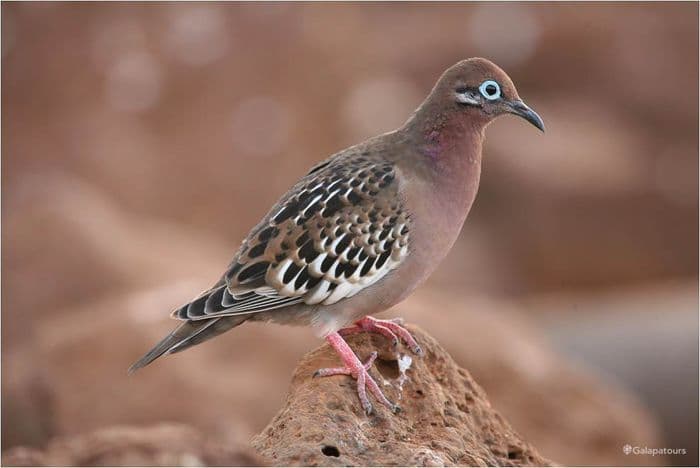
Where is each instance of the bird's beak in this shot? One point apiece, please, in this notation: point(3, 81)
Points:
point(520, 108)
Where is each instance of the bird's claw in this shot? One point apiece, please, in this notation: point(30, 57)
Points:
point(392, 329)
point(364, 382)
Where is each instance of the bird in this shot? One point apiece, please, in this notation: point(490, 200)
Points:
point(361, 230)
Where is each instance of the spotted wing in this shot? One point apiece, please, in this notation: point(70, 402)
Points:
point(338, 231)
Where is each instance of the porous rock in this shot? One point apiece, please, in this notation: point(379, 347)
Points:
point(165, 444)
point(445, 417)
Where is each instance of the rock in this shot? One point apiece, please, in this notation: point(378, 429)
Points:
point(446, 418)
point(161, 445)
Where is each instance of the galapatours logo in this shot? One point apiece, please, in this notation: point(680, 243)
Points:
point(627, 449)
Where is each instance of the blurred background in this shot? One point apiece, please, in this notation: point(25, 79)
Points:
point(142, 141)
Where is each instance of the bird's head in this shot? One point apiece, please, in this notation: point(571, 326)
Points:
point(478, 89)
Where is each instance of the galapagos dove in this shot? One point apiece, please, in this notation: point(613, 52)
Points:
point(362, 229)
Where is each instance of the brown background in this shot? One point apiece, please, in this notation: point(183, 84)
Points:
point(141, 142)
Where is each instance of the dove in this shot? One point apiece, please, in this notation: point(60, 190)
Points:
point(361, 230)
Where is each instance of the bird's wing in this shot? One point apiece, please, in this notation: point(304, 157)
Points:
point(336, 232)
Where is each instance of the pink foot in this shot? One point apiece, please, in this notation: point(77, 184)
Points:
point(360, 372)
point(389, 328)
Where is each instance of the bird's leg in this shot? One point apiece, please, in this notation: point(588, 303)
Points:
point(328, 371)
point(388, 328)
point(360, 372)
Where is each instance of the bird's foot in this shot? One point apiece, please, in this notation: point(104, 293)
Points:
point(392, 329)
point(357, 370)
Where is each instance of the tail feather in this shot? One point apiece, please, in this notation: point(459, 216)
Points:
point(187, 334)
point(216, 327)
point(182, 332)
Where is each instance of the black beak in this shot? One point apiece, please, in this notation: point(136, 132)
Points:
point(519, 108)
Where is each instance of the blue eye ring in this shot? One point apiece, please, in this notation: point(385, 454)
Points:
point(488, 86)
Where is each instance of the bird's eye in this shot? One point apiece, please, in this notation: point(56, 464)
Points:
point(490, 90)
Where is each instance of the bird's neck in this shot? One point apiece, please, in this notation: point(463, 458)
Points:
point(448, 154)
point(449, 140)
point(449, 144)
point(444, 161)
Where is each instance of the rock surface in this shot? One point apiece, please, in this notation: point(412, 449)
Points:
point(446, 418)
point(161, 445)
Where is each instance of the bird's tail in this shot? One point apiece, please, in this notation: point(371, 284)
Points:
point(188, 334)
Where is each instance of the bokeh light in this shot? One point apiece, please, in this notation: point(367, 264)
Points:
point(196, 35)
point(506, 33)
point(261, 126)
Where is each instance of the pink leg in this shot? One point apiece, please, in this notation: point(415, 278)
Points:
point(355, 368)
point(388, 328)
point(328, 371)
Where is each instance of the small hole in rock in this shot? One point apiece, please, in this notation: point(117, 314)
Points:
point(330, 451)
point(514, 454)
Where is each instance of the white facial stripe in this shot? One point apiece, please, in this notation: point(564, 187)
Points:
point(467, 98)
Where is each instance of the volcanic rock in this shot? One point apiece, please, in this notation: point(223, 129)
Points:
point(445, 417)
